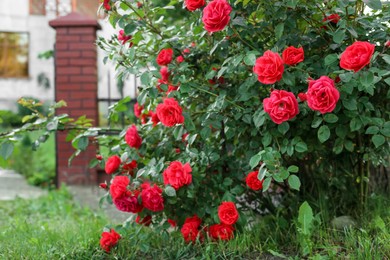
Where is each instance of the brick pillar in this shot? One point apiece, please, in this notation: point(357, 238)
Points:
point(76, 83)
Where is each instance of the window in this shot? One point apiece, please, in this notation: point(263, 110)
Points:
point(13, 55)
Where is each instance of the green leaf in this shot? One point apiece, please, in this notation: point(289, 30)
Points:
point(188, 123)
point(130, 28)
point(293, 169)
point(259, 118)
point(170, 191)
point(145, 78)
point(372, 130)
point(301, 147)
point(350, 104)
point(346, 77)
point(323, 133)
point(250, 59)
point(316, 122)
point(294, 182)
point(386, 58)
point(339, 36)
point(305, 218)
point(266, 183)
point(330, 59)
point(331, 118)
point(378, 140)
point(279, 31)
point(6, 150)
point(373, 4)
point(355, 124)
point(82, 143)
point(283, 128)
point(366, 78)
point(255, 160)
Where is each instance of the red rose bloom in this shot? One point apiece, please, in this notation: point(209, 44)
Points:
point(103, 185)
point(333, 18)
point(281, 106)
point(123, 38)
point(292, 56)
point(99, 157)
point(146, 221)
point(106, 5)
point(253, 182)
point(118, 187)
point(216, 15)
point(193, 220)
point(179, 59)
point(322, 95)
point(164, 74)
point(155, 119)
point(228, 213)
point(170, 113)
point(109, 240)
point(171, 88)
point(192, 5)
point(357, 56)
point(138, 110)
point(302, 97)
point(132, 137)
point(128, 168)
point(269, 68)
point(112, 164)
point(177, 175)
point(189, 232)
point(152, 198)
point(221, 231)
point(387, 44)
point(128, 203)
point(164, 57)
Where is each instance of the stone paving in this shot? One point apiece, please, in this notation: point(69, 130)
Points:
point(14, 185)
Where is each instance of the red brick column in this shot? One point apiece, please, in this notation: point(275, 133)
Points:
point(75, 82)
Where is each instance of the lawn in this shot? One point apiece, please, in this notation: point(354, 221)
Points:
point(56, 227)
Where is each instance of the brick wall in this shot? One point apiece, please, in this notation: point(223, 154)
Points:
point(76, 83)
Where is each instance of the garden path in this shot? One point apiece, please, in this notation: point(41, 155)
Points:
point(13, 185)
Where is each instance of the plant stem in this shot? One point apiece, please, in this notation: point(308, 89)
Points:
point(215, 95)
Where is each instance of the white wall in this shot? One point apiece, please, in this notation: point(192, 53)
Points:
point(15, 18)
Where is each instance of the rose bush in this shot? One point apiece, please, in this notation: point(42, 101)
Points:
point(246, 101)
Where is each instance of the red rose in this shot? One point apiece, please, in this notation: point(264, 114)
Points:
point(189, 232)
point(333, 18)
point(281, 106)
point(128, 203)
point(109, 239)
point(145, 116)
point(322, 95)
point(216, 15)
point(132, 137)
point(228, 213)
point(387, 44)
point(103, 185)
point(99, 157)
point(184, 138)
point(112, 164)
point(152, 198)
point(164, 57)
point(155, 119)
point(146, 221)
point(221, 231)
point(292, 56)
point(253, 182)
point(177, 175)
point(170, 113)
point(123, 38)
point(164, 74)
point(195, 220)
point(186, 51)
point(357, 56)
point(118, 187)
point(171, 88)
point(106, 5)
point(302, 97)
point(129, 167)
point(179, 59)
point(269, 68)
point(138, 110)
point(192, 5)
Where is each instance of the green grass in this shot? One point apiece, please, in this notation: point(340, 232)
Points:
point(55, 227)
point(50, 227)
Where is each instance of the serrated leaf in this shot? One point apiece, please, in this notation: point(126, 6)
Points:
point(266, 183)
point(372, 130)
point(82, 143)
point(250, 59)
point(323, 133)
point(279, 30)
point(330, 59)
point(259, 118)
point(331, 118)
point(255, 160)
point(283, 128)
point(294, 182)
point(301, 147)
point(293, 169)
point(339, 36)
